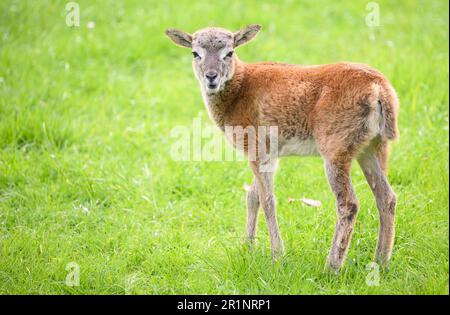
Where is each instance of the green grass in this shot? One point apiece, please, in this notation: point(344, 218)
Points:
point(86, 175)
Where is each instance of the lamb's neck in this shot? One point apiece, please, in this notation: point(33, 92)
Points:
point(220, 105)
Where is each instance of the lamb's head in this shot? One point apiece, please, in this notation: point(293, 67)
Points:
point(213, 51)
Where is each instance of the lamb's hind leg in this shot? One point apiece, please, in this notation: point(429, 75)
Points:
point(386, 202)
point(338, 175)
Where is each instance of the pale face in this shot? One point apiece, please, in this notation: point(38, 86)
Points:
point(213, 52)
point(213, 58)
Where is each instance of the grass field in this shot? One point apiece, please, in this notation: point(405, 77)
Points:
point(86, 175)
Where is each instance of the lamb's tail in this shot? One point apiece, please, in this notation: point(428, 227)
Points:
point(388, 108)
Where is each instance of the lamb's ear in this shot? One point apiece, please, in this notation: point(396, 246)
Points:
point(246, 34)
point(179, 37)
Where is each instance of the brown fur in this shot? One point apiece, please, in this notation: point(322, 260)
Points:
point(345, 110)
point(329, 103)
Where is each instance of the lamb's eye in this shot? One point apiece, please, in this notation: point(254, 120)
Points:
point(229, 55)
point(195, 55)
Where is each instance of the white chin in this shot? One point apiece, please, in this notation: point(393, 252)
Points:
point(212, 91)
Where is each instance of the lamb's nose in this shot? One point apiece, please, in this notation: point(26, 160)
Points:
point(211, 76)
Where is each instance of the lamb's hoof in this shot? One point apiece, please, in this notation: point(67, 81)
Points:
point(382, 261)
point(279, 253)
point(249, 244)
point(332, 268)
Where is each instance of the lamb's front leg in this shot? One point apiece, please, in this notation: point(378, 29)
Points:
point(252, 211)
point(264, 181)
